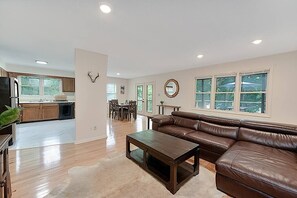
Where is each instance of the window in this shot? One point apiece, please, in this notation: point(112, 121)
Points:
point(149, 98)
point(111, 91)
point(224, 96)
point(239, 92)
point(51, 86)
point(203, 92)
point(139, 98)
point(253, 93)
point(29, 85)
point(39, 86)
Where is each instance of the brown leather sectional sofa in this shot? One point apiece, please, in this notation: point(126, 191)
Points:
point(253, 159)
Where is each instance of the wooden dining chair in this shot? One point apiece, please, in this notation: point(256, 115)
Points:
point(131, 110)
point(115, 109)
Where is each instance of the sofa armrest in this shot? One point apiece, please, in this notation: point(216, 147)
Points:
point(162, 120)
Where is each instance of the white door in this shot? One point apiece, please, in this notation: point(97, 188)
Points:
point(145, 98)
point(140, 98)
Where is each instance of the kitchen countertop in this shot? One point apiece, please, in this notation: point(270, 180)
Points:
point(46, 102)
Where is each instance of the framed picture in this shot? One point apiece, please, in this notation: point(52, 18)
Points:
point(122, 89)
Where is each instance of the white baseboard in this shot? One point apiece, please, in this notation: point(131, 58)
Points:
point(90, 139)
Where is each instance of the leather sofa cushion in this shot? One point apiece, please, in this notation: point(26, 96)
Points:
point(175, 130)
point(269, 170)
point(185, 122)
point(193, 116)
point(210, 142)
point(219, 130)
point(271, 127)
point(276, 140)
point(219, 120)
point(162, 120)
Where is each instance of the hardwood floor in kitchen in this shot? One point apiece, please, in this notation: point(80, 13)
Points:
point(36, 171)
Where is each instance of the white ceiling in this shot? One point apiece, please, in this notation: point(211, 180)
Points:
point(144, 37)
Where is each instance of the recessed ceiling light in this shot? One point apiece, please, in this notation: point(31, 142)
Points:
point(105, 8)
point(200, 56)
point(40, 62)
point(257, 42)
point(118, 74)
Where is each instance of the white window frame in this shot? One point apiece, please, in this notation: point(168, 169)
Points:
point(215, 91)
point(266, 92)
point(114, 92)
point(237, 92)
point(211, 99)
point(41, 86)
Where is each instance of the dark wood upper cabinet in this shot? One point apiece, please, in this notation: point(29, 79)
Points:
point(68, 84)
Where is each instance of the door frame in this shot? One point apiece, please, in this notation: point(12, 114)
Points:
point(144, 105)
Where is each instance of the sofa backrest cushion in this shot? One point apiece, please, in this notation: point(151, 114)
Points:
point(269, 138)
point(186, 122)
point(219, 130)
point(220, 121)
point(271, 127)
point(193, 116)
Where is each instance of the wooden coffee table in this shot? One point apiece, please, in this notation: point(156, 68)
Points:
point(164, 157)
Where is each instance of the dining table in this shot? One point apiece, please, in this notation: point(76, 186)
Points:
point(122, 106)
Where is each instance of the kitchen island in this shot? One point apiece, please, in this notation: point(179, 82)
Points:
point(46, 110)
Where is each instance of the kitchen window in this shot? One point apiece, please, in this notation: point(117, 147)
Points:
point(51, 86)
point(224, 96)
point(111, 91)
point(39, 86)
point(29, 85)
point(203, 93)
point(253, 93)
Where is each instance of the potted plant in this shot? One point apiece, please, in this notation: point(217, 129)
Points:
point(161, 102)
point(9, 116)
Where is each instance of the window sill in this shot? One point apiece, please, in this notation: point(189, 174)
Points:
point(234, 113)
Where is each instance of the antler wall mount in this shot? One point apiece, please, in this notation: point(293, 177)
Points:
point(93, 79)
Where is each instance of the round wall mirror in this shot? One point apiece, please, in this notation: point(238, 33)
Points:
point(171, 88)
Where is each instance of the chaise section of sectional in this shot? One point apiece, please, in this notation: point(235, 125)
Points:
point(252, 170)
point(263, 163)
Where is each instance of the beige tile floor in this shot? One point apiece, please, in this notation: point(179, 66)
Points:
point(39, 134)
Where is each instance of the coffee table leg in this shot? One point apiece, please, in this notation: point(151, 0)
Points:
point(173, 179)
point(196, 163)
point(128, 148)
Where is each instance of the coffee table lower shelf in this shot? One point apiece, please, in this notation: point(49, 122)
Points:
point(161, 170)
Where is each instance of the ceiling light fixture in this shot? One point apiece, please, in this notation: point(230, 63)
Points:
point(41, 62)
point(105, 8)
point(118, 74)
point(257, 42)
point(200, 56)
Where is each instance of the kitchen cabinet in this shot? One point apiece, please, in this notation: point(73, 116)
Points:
point(31, 112)
point(50, 111)
point(12, 74)
point(39, 111)
point(68, 84)
point(3, 73)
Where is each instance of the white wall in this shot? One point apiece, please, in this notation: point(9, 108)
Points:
point(37, 70)
point(282, 95)
point(90, 104)
point(2, 64)
point(120, 82)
